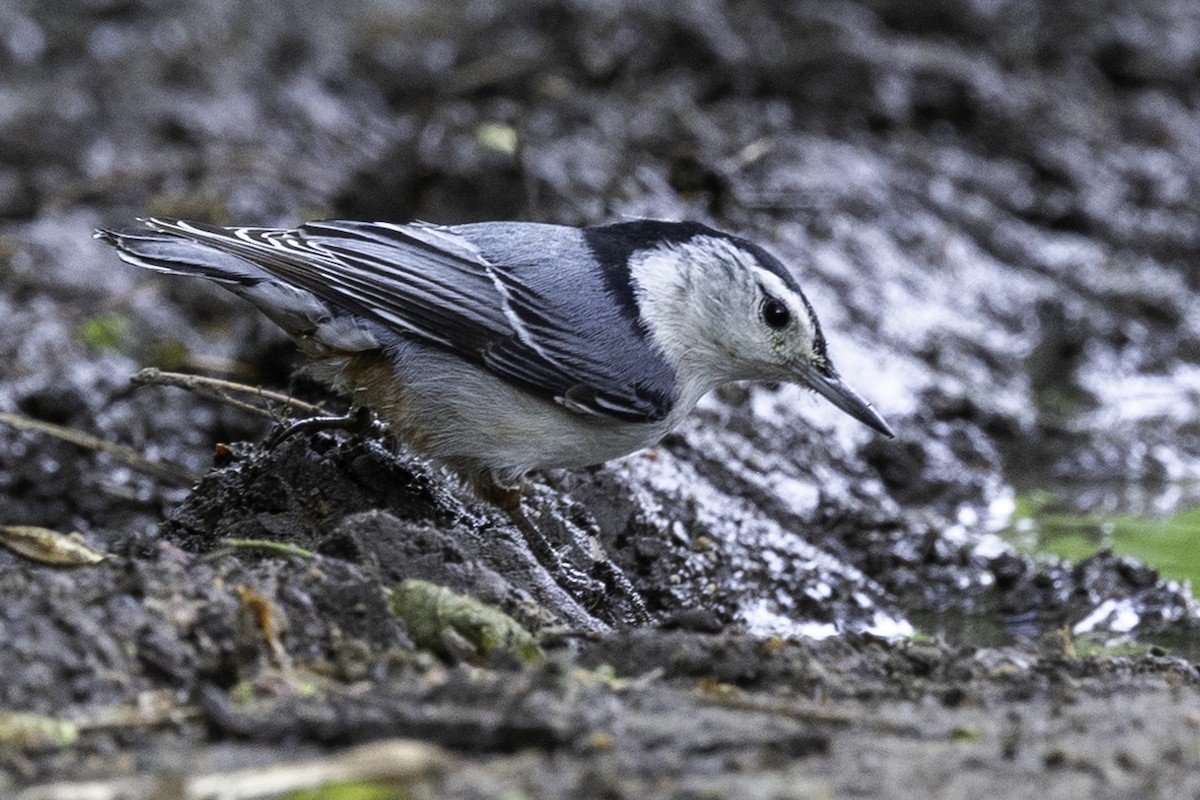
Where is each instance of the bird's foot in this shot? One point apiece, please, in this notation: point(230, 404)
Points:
point(358, 421)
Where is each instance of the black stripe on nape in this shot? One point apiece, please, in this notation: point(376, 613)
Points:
point(770, 263)
point(615, 245)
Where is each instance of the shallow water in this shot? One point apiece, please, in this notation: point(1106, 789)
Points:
point(1157, 524)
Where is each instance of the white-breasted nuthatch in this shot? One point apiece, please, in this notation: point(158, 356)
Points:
point(498, 348)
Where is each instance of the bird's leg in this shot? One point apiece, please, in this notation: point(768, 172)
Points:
point(358, 420)
point(582, 586)
point(508, 500)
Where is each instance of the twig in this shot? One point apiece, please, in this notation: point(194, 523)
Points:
point(163, 471)
point(131, 718)
point(397, 764)
point(739, 703)
point(806, 714)
point(218, 389)
point(277, 548)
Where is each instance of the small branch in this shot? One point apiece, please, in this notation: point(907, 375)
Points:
point(387, 768)
point(276, 548)
point(165, 472)
point(221, 390)
point(805, 714)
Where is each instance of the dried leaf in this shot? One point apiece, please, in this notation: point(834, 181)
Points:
point(50, 547)
point(270, 620)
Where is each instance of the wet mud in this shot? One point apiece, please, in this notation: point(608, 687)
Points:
point(992, 209)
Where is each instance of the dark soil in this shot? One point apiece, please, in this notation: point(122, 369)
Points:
point(992, 208)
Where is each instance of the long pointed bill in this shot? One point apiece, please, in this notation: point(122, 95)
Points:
point(843, 397)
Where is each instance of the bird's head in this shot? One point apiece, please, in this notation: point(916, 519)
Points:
point(722, 309)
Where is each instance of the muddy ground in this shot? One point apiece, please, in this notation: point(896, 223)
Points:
point(990, 205)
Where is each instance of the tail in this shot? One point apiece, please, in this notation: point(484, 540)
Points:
point(165, 252)
point(300, 313)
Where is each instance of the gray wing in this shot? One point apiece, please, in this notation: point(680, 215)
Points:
point(438, 285)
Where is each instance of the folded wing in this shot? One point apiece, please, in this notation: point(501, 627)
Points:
point(430, 283)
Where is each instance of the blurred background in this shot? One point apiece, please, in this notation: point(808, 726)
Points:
point(991, 204)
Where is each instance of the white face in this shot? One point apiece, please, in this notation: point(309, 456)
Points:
point(718, 315)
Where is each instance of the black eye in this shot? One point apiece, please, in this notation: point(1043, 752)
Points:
point(775, 313)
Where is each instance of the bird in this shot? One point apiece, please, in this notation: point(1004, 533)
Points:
point(502, 348)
